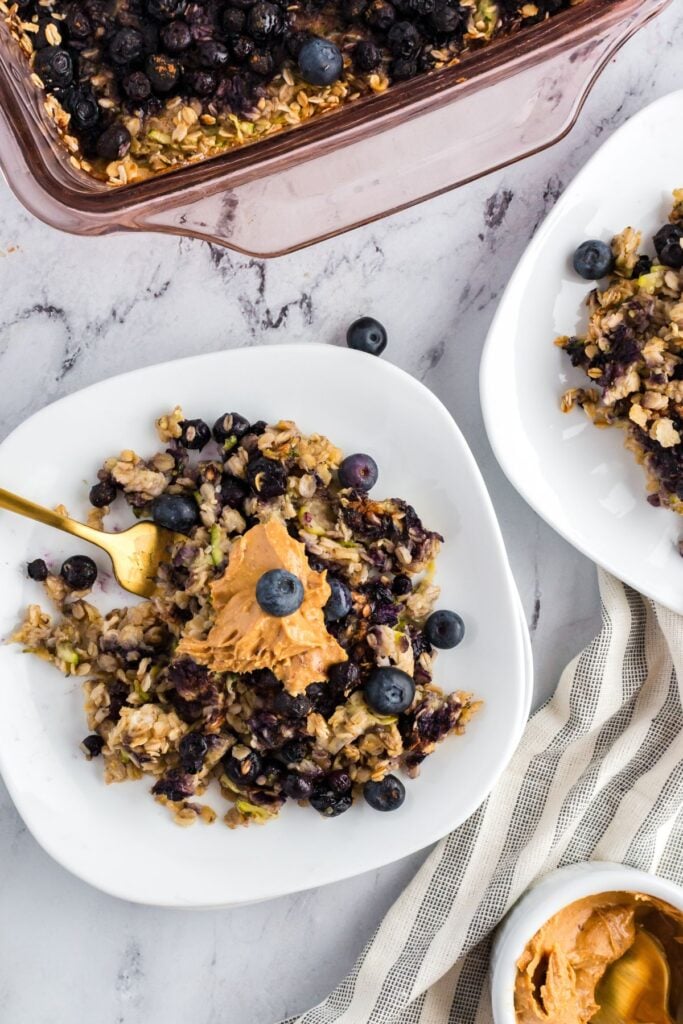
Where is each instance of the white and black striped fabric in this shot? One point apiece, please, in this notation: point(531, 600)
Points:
point(598, 775)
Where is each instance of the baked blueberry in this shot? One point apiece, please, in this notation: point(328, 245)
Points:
point(78, 24)
point(264, 21)
point(163, 72)
point(114, 142)
point(212, 54)
point(54, 67)
point(279, 592)
point(380, 14)
point(84, 108)
point(103, 493)
point(192, 749)
point(177, 512)
point(389, 691)
point(79, 572)
point(261, 62)
point(329, 802)
point(339, 602)
point(137, 86)
point(386, 795)
point(194, 434)
point(669, 245)
point(92, 745)
point(290, 706)
point(268, 478)
point(366, 58)
point(242, 770)
point(444, 629)
point(176, 36)
point(320, 61)
point(126, 45)
point(593, 259)
point(165, 10)
point(359, 472)
point(367, 335)
point(37, 570)
point(229, 425)
point(233, 491)
point(296, 786)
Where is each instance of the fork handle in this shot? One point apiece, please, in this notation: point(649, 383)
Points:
point(23, 507)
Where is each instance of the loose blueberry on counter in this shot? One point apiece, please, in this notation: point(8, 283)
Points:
point(230, 424)
point(279, 592)
point(367, 335)
point(92, 745)
point(444, 629)
point(593, 260)
point(339, 602)
point(668, 243)
point(320, 61)
point(54, 67)
point(113, 143)
point(192, 749)
point(387, 795)
point(389, 691)
point(194, 434)
point(359, 472)
point(103, 493)
point(243, 771)
point(177, 512)
point(37, 570)
point(79, 572)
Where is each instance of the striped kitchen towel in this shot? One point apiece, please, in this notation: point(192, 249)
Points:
point(598, 775)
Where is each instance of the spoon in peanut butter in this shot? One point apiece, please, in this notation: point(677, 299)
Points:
point(135, 553)
point(635, 989)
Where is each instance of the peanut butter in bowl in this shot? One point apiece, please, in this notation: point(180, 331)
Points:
point(609, 958)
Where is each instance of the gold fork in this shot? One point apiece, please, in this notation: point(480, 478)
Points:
point(135, 553)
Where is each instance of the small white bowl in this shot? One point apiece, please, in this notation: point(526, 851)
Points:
point(544, 899)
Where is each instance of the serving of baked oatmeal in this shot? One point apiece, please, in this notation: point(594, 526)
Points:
point(288, 652)
point(632, 350)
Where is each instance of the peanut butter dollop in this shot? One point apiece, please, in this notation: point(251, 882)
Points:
point(560, 970)
point(297, 648)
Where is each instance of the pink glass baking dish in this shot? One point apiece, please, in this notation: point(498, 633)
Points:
point(376, 156)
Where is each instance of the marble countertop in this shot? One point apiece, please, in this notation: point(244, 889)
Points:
point(76, 310)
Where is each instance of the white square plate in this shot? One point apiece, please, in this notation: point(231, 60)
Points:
point(117, 837)
point(582, 480)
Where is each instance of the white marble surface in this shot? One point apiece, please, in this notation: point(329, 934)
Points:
point(73, 311)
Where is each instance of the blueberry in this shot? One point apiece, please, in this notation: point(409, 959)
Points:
point(176, 512)
point(137, 86)
point(367, 335)
point(643, 265)
point(366, 57)
point(37, 570)
point(593, 260)
point(202, 82)
point(79, 572)
point(264, 20)
point(320, 61)
point(176, 36)
point(78, 24)
point(389, 691)
point(233, 491)
point(54, 66)
point(234, 21)
point(261, 62)
point(84, 109)
point(163, 72)
point(404, 40)
point(359, 472)
point(213, 54)
point(445, 19)
point(126, 45)
point(242, 48)
point(298, 787)
point(329, 802)
point(290, 706)
point(113, 143)
point(175, 786)
point(230, 424)
point(339, 602)
point(339, 781)
point(93, 745)
point(279, 592)
point(192, 749)
point(194, 434)
point(380, 14)
point(444, 629)
point(668, 243)
point(387, 795)
point(267, 477)
point(103, 493)
point(293, 751)
point(402, 585)
point(244, 770)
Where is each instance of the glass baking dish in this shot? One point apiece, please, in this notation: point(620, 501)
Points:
point(374, 157)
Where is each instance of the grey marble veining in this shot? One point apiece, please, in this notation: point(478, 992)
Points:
point(73, 311)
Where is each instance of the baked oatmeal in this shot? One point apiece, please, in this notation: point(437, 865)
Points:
point(632, 353)
point(288, 651)
point(138, 87)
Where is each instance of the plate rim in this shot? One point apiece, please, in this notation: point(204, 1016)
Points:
point(487, 391)
point(522, 645)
